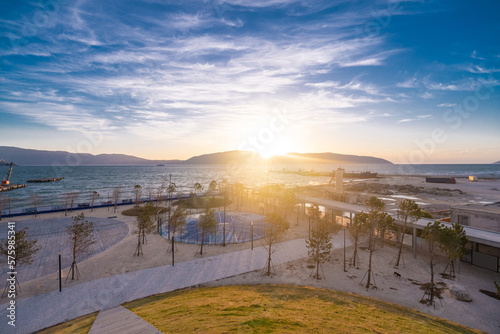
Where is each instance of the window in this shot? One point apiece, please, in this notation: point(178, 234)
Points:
point(463, 220)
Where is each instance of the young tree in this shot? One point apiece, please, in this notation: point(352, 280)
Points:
point(137, 194)
point(207, 223)
point(171, 189)
point(93, 196)
point(20, 248)
point(314, 213)
point(81, 239)
point(453, 242)
point(408, 212)
point(432, 233)
point(159, 192)
point(356, 232)
point(67, 200)
point(375, 220)
point(117, 192)
point(319, 244)
point(289, 200)
point(197, 187)
point(145, 225)
point(178, 219)
point(212, 188)
point(35, 199)
point(274, 229)
point(73, 196)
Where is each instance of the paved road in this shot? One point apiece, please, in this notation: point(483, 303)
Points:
point(38, 312)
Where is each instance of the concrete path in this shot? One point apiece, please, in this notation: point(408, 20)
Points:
point(46, 310)
point(52, 239)
point(119, 320)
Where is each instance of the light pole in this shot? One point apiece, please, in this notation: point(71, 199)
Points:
point(224, 222)
point(60, 275)
point(344, 249)
point(251, 224)
point(309, 227)
point(173, 250)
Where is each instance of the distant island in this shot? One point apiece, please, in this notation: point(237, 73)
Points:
point(29, 157)
point(5, 163)
point(498, 162)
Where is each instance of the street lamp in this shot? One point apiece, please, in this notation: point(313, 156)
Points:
point(251, 224)
point(224, 222)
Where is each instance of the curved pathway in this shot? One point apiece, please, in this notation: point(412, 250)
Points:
point(52, 239)
point(46, 310)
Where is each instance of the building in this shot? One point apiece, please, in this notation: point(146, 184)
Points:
point(483, 248)
point(486, 217)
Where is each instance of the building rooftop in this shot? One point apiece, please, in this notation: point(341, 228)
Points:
point(495, 209)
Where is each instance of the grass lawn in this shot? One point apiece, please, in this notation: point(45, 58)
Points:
point(135, 211)
point(78, 325)
point(281, 309)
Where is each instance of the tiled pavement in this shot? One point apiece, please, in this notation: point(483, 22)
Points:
point(53, 240)
point(119, 320)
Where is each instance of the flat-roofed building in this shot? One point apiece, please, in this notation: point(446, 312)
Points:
point(486, 217)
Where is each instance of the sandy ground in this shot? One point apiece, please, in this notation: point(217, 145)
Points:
point(481, 313)
point(119, 258)
point(480, 192)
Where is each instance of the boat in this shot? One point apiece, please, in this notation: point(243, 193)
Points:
point(160, 165)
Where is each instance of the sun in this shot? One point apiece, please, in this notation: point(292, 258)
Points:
point(280, 146)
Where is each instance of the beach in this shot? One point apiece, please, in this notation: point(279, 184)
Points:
point(403, 290)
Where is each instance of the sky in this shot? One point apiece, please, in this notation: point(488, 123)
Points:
point(409, 81)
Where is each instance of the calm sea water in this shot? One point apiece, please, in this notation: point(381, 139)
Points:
point(103, 179)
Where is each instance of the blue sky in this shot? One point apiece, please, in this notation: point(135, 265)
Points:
point(409, 81)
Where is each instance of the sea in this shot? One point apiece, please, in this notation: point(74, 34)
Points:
point(104, 179)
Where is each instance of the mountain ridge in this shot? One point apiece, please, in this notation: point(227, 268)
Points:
point(31, 157)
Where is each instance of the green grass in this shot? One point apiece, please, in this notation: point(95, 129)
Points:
point(202, 202)
point(281, 309)
point(135, 211)
point(78, 325)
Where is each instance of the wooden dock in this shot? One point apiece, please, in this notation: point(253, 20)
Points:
point(11, 187)
point(46, 179)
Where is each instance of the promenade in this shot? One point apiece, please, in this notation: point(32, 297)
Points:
point(46, 310)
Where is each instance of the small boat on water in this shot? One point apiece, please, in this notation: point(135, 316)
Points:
point(160, 165)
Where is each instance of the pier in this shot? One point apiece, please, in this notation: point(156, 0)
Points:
point(46, 179)
point(11, 187)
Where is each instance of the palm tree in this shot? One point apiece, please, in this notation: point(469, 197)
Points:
point(137, 193)
point(212, 188)
point(93, 197)
point(197, 187)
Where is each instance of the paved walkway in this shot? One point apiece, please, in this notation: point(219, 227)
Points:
point(46, 310)
point(119, 320)
point(52, 239)
point(52, 308)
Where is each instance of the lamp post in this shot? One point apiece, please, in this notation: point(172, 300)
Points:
point(60, 276)
point(224, 222)
point(173, 251)
point(309, 227)
point(345, 270)
point(251, 224)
